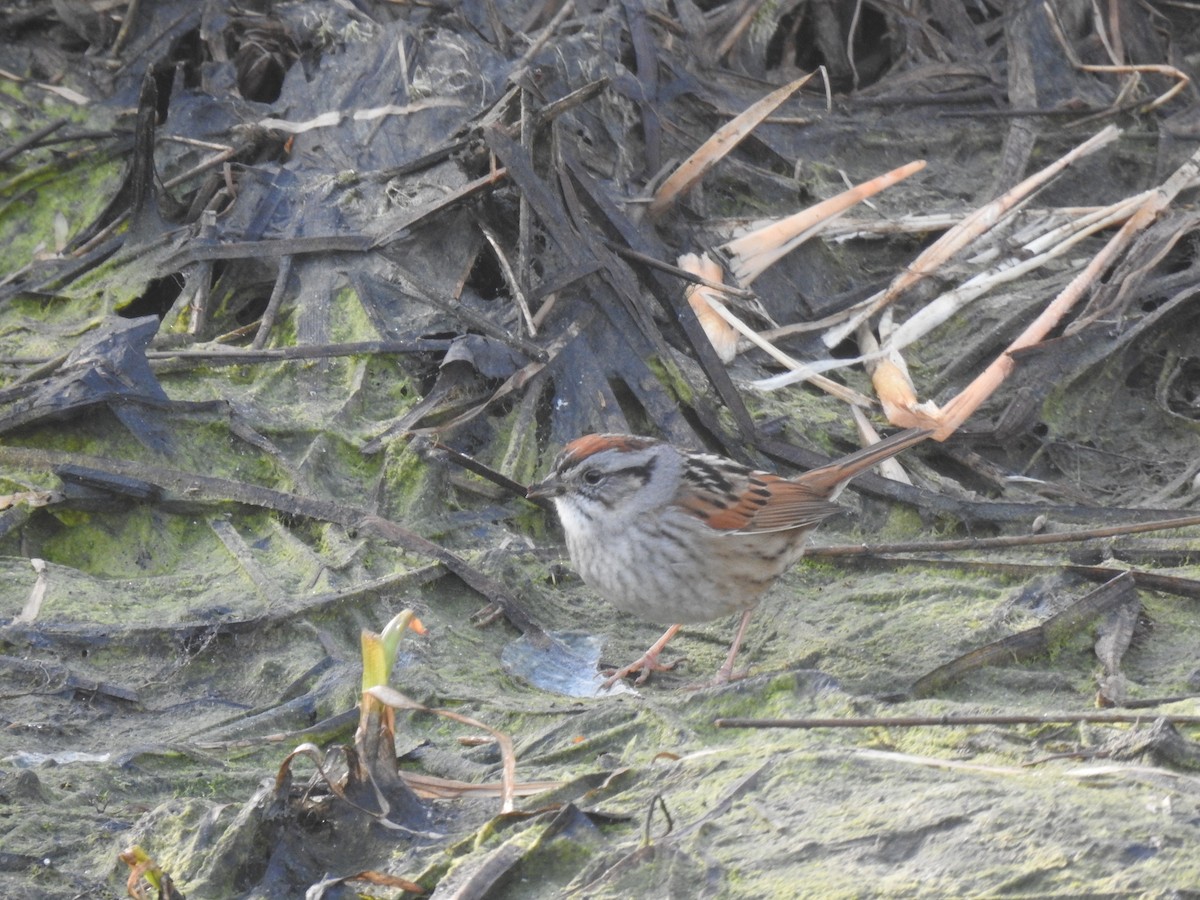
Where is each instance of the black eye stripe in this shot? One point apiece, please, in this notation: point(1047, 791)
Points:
point(641, 473)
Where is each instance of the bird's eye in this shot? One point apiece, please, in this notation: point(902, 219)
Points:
point(593, 476)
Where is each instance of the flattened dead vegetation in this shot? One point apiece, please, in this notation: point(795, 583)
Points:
point(296, 298)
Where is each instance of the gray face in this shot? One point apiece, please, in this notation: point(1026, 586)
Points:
point(611, 480)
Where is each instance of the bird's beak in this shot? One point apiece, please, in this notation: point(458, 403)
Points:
point(547, 489)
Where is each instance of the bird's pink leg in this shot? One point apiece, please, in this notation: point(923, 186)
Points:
point(647, 662)
point(725, 673)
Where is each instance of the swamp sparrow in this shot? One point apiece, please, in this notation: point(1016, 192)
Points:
point(678, 537)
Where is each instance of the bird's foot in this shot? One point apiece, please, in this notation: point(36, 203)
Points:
point(725, 675)
point(645, 664)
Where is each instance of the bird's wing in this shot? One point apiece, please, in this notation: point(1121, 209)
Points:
point(732, 498)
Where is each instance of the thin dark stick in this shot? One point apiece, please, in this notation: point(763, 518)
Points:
point(682, 274)
point(22, 145)
point(1020, 540)
point(486, 472)
point(956, 720)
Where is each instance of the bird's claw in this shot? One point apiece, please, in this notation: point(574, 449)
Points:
point(645, 664)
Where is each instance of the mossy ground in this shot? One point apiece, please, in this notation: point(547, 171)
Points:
point(179, 649)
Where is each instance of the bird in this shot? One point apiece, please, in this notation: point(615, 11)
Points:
point(679, 537)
